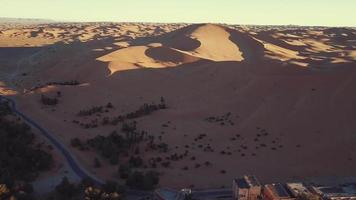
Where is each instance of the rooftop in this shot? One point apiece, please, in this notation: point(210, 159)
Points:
point(279, 190)
point(247, 182)
point(297, 188)
point(345, 191)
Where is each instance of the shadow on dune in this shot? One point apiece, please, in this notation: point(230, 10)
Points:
point(251, 49)
point(81, 63)
point(169, 55)
point(177, 39)
point(322, 51)
point(289, 100)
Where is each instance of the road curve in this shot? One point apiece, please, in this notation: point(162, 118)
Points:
point(73, 163)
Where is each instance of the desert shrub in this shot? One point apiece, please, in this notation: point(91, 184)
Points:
point(166, 164)
point(49, 101)
point(114, 159)
point(72, 82)
point(75, 142)
point(65, 189)
point(20, 159)
point(97, 163)
point(113, 186)
point(91, 111)
point(147, 181)
point(124, 171)
point(136, 162)
point(109, 105)
point(87, 190)
point(5, 109)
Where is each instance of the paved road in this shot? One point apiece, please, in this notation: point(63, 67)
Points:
point(73, 163)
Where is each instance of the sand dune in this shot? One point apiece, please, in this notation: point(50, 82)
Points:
point(215, 44)
point(191, 44)
point(289, 92)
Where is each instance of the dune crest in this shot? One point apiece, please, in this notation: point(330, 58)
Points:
point(215, 44)
point(237, 96)
point(190, 44)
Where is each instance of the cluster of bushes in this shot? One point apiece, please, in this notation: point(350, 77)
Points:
point(200, 137)
point(95, 109)
point(72, 82)
point(115, 145)
point(147, 109)
point(138, 180)
point(143, 110)
point(109, 147)
point(20, 159)
point(21, 191)
point(143, 181)
point(86, 190)
point(49, 101)
point(262, 135)
point(112, 146)
point(222, 120)
point(4, 109)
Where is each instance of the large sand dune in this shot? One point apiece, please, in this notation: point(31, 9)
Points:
point(191, 44)
point(285, 95)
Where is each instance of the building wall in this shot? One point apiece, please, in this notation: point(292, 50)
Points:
point(268, 194)
point(243, 194)
point(254, 193)
point(246, 194)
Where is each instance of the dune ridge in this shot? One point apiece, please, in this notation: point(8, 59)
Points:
point(268, 99)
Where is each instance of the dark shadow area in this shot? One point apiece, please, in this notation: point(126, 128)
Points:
point(251, 49)
point(169, 55)
point(337, 42)
point(177, 39)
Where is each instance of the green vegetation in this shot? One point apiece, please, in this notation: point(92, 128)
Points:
point(71, 83)
point(221, 120)
point(116, 146)
point(145, 109)
point(143, 181)
point(91, 111)
point(20, 159)
point(49, 101)
point(86, 190)
point(20, 192)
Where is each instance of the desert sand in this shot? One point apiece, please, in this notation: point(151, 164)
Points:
point(286, 95)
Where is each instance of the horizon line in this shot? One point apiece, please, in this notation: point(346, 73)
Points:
point(53, 21)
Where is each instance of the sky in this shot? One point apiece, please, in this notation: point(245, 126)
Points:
point(260, 12)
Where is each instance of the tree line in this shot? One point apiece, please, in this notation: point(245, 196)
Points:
point(20, 159)
point(145, 109)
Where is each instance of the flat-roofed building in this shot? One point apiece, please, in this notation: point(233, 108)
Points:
point(277, 192)
point(246, 188)
point(336, 193)
point(298, 189)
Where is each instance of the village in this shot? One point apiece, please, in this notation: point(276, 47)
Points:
point(249, 187)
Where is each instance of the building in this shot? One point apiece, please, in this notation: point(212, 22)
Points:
point(298, 189)
point(336, 193)
point(246, 188)
point(277, 192)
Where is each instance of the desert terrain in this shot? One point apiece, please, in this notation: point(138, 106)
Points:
point(277, 102)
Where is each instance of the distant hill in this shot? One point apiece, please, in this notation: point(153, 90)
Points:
point(6, 20)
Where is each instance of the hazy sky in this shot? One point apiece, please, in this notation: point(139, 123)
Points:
point(299, 12)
